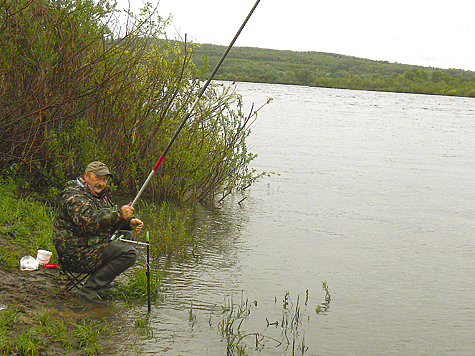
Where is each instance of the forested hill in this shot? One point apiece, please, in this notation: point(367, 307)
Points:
point(332, 70)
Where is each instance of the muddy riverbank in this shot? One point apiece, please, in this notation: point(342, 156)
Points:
point(41, 304)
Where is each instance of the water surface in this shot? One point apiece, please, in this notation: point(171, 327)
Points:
point(373, 194)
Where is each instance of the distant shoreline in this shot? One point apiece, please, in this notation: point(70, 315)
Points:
point(329, 70)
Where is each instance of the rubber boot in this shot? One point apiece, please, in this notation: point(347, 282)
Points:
point(91, 295)
point(98, 280)
point(117, 258)
point(111, 285)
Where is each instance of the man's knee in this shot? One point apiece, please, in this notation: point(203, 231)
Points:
point(128, 255)
point(131, 255)
point(119, 251)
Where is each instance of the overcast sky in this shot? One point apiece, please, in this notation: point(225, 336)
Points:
point(429, 33)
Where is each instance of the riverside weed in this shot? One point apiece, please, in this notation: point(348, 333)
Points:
point(142, 325)
point(191, 316)
point(135, 286)
point(326, 304)
point(173, 233)
point(29, 342)
point(293, 313)
point(233, 316)
point(8, 318)
point(44, 330)
point(27, 223)
point(60, 334)
point(86, 334)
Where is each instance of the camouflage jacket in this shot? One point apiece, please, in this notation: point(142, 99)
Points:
point(83, 225)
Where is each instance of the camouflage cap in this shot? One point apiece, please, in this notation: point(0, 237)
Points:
point(98, 168)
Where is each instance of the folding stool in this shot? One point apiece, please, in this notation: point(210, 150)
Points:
point(74, 279)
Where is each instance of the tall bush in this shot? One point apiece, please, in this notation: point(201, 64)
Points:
point(77, 85)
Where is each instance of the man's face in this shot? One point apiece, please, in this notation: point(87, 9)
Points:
point(98, 183)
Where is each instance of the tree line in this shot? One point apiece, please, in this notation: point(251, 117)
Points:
point(333, 71)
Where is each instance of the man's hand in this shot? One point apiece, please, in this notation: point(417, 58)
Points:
point(127, 211)
point(136, 224)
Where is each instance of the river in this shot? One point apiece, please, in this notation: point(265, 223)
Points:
point(370, 192)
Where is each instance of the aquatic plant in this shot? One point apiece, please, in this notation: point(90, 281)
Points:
point(290, 323)
point(173, 230)
point(191, 315)
point(292, 315)
point(142, 330)
point(233, 318)
point(134, 285)
point(326, 304)
point(233, 315)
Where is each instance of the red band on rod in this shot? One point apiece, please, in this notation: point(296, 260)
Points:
point(158, 163)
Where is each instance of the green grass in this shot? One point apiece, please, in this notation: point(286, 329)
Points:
point(26, 223)
point(135, 287)
point(18, 337)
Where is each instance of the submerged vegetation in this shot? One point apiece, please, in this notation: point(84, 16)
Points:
point(291, 338)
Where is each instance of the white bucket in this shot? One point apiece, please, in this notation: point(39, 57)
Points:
point(43, 256)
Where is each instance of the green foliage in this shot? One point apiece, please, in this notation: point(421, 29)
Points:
point(173, 232)
point(134, 289)
point(212, 151)
point(47, 52)
point(67, 162)
point(321, 308)
point(335, 71)
point(412, 81)
point(27, 223)
point(45, 329)
point(77, 86)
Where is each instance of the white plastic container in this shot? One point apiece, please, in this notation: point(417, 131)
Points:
point(43, 256)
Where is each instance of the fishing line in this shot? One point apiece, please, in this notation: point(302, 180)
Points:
point(190, 110)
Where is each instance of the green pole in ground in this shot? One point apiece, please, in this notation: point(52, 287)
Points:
point(148, 273)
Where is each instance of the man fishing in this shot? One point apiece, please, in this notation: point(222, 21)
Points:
point(84, 222)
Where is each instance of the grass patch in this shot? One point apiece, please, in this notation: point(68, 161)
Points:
point(27, 224)
point(134, 288)
point(36, 336)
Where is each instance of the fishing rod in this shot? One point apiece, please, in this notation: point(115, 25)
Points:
point(190, 110)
